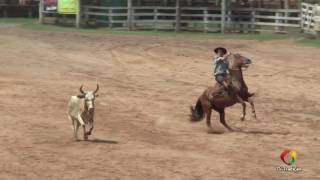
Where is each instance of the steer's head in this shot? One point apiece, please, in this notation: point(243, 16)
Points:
point(89, 97)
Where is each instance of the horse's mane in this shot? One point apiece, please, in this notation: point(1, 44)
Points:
point(231, 59)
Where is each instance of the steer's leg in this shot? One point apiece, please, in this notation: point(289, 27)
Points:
point(85, 135)
point(80, 120)
point(76, 126)
point(90, 131)
point(72, 122)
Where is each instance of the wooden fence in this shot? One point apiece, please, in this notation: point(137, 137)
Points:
point(309, 18)
point(195, 18)
point(14, 8)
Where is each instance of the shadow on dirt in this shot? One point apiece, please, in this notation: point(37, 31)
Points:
point(260, 132)
point(237, 130)
point(102, 141)
point(215, 131)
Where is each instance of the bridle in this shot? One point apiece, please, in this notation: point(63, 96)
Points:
point(238, 69)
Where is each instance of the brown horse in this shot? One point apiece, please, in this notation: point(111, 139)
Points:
point(237, 93)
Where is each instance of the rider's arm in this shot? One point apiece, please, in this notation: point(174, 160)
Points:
point(224, 57)
point(217, 59)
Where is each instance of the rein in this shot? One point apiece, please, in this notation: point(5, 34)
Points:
point(235, 69)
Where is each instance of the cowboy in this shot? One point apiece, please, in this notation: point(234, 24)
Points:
point(220, 66)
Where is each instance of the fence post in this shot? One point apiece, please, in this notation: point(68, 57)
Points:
point(205, 20)
point(78, 14)
point(229, 15)
point(155, 18)
point(253, 21)
point(309, 18)
point(5, 12)
point(110, 17)
point(189, 2)
point(86, 16)
point(277, 28)
point(178, 16)
point(165, 2)
point(223, 15)
point(130, 13)
point(30, 12)
point(302, 18)
point(41, 11)
point(286, 7)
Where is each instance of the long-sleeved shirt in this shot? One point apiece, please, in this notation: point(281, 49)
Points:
point(220, 66)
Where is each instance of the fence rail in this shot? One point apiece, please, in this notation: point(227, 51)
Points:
point(196, 18)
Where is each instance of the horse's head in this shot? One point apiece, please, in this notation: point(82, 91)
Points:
point(236, 61)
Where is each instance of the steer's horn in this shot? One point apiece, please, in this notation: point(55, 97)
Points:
point(97, 89)
point(81, 90)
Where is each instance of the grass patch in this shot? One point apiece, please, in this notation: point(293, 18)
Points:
point(18, 20)
point(311, 42)
point(33, 24)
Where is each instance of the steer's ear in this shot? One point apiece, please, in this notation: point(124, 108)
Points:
point(81, 96)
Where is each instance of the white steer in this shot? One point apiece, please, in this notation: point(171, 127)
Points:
point(81, 111)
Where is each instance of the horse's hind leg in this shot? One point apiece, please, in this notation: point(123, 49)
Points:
point(240, 100)
point(222, 119)
point(208, 118)
point(252, 107)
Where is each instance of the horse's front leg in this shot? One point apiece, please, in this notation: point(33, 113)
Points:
point(241, 101)
point(252, 107)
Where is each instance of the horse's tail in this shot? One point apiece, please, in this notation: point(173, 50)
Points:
point(197, 113)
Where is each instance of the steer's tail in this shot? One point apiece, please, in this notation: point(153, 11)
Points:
point(197, 113)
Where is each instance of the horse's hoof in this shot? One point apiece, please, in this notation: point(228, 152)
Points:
point(85, 138)
point(215, 131)
point(242, 118)
point(254, 117)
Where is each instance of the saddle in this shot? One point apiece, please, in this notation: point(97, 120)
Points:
point(219, 91)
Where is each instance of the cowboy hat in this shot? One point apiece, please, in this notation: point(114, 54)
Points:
point(224, 50)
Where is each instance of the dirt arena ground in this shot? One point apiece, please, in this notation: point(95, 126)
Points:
point(142, 129)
